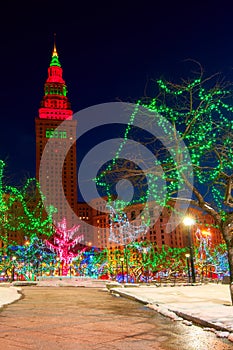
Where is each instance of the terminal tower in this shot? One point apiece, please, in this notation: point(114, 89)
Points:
point(55, 123)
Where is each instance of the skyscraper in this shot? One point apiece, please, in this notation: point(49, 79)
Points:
point(56, 127)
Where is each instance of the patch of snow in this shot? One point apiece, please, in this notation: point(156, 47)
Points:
point(208, 329)
point(187, 323)
point(221, 334)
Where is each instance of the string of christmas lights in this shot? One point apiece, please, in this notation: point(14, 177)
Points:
point(120, 228)
point(64, 243)
point(22, 209)
point(204, 125)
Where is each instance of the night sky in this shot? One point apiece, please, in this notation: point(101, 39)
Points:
point(108, 51)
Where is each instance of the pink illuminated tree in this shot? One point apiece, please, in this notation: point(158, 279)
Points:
point(64, 242)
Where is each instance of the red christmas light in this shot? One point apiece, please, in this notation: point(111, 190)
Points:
point(55, 104)
point(64, 244)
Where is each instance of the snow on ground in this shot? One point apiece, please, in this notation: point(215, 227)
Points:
point(9, 294)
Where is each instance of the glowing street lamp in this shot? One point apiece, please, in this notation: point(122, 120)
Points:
point(189, 222)
point(206, 233)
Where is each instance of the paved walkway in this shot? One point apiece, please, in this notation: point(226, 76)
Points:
point(208, 305)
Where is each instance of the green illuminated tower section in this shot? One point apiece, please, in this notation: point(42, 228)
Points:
point(54, 110)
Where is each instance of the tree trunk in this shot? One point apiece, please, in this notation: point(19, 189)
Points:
point(230, 260)
point(65, 268)
point(228, 237)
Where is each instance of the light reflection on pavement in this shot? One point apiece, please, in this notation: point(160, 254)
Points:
point(71, 318)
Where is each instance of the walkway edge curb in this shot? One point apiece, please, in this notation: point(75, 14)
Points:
point(195, 320)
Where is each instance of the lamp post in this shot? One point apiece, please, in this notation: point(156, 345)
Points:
point(59, 266)
point(205, 239)
point(13, 269)
point(145, 251)
point(122, 268)
point(41, 258)
point(189, 222)
point(126, 264)
point(188, 267)
point(27, 244)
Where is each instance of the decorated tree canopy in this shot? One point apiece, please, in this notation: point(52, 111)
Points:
point(22, 209)
point(120, 228)
point(65, 242)
point(198, 112)
point(33, 250)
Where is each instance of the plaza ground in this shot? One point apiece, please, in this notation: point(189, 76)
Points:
point(208, 305)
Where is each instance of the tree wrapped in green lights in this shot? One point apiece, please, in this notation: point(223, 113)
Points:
point(196, 111)
point(22, 210)
point(33, 258)
point(154, 259)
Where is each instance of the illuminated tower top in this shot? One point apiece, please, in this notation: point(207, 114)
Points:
point(55, 104)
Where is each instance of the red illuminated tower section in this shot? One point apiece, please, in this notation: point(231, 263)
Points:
point(55, 110)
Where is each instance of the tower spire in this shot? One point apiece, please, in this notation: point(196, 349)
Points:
point(54, 47)
point(55, 60)
point(55, 104)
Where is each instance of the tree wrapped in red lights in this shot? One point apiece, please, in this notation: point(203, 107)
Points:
point(64, 244)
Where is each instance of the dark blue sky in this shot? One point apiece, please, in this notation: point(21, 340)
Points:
point(108, 51)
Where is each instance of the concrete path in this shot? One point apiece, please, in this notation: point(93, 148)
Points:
point(64, 318)
point(207, 305)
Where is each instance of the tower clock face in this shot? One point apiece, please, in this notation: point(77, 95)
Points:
point(53, 133)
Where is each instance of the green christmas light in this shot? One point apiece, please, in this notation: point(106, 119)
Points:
point(20, 212)
point(203, 118)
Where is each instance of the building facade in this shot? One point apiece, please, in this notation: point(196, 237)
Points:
point(56, 144)
point(156, 232)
